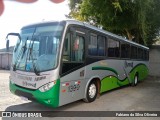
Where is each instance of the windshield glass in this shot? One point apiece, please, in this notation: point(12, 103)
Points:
point(38, 49)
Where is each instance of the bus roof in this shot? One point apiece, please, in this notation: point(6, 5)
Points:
point(75, 22)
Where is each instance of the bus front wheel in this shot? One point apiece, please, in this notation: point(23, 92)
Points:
point(92, 91)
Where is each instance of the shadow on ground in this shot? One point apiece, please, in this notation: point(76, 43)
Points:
point(34, 106)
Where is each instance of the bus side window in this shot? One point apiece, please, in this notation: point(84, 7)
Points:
point(92, 47)
point(146, 56)
point(78, 49)
point(125, 50)
point(113, 48)
point(101, 46)
point(140, 53)
point(133, 52)
point(73, 53)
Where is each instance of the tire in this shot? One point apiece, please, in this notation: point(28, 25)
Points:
point(92, 92)
point(135, 82)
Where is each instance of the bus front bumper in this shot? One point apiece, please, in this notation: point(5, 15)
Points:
point(49, 98)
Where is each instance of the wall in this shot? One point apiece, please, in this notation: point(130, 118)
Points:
point(5, 60)
point(154, 61)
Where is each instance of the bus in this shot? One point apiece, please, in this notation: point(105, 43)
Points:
point(59, 62)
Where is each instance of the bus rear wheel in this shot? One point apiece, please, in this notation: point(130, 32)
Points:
point(135, 82)
point(92, 91)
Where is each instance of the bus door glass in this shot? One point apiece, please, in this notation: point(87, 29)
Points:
point(73, 67)
point(73, 52)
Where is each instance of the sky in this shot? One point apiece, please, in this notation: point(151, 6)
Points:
point(16, 15)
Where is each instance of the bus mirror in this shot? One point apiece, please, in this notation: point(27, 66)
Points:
point(13, 34)
point(8, 39)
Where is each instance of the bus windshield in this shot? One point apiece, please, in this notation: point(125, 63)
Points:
point(38, 48)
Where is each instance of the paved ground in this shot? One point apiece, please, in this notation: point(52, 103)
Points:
point(144, 97)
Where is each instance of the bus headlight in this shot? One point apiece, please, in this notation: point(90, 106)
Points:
point(47, 86)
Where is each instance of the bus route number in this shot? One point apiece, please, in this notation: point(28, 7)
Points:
point(73, 88)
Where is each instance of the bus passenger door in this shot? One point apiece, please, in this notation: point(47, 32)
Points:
point(72, 67)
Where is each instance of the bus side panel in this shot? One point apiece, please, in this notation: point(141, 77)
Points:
point(141, 68)
point(116, 73)
point(112, 82)
point(72, 86)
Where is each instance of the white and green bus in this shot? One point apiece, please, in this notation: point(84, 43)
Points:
point(56, 63)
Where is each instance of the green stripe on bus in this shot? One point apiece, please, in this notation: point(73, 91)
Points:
point(142, 71)
point(110, 82)
point(54, 93)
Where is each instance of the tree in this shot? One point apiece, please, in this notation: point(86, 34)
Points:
point(136, 19)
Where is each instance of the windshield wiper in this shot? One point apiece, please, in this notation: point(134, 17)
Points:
point(37, 72)
point(21, 54)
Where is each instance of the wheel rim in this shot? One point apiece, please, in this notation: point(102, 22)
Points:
point(92, 91)
point(135, 80)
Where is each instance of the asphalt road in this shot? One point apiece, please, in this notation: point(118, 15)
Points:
point(144, 97)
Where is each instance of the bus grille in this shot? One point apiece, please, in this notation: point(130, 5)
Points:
point(25, 94)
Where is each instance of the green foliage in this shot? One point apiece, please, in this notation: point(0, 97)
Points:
point(138, 19)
